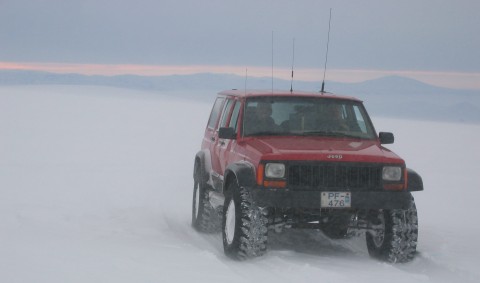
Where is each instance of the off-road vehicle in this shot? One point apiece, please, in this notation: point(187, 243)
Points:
point(271, 160)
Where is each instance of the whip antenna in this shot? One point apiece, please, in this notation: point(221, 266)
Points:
point(326, 54)
point(293, 61)
point(272, 61)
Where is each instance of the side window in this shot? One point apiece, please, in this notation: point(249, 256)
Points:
point(212, 121)
point(226, 111)
point(360, 120)
point(234, 119)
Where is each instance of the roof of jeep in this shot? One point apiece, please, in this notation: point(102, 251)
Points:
point(257, 93)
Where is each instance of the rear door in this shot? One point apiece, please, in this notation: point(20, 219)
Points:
point(226, 147)
point(221, 144)
point(211, 135)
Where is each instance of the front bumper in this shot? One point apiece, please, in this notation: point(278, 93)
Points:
point(286, 198)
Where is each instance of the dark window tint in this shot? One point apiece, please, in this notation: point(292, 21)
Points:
point(306, 116)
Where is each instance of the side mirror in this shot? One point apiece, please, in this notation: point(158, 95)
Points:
point(386, 138)
point(227, 133)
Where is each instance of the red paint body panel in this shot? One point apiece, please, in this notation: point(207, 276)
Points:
point(255, 149)
point(317, 149)
point(255, 93)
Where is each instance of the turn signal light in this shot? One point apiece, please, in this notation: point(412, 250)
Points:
point(260, 171)
point(275, 184)
point(394, 187)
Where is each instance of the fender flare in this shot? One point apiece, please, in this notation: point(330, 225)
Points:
point(243, 172)
point(414, 181)
point(203, 159)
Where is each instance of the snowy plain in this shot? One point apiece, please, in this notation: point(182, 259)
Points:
point(96, 186)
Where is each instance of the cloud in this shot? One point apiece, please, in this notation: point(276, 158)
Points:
point(370, 34)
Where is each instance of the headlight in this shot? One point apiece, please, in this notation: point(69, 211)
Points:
point(392, 173)
point(275, 170)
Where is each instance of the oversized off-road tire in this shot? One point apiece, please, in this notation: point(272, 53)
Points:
point(204, 216)
point(244, 225)
point(396, 240)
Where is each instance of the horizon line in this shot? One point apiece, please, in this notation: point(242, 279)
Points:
point(448, 79)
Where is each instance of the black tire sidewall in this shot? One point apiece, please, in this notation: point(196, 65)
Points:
point(199, 189)
point(231, 249)
point(382, 252)
point(401, 236)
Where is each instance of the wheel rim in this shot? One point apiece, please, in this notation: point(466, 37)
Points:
point(379, 235)
point(197, 200)
point(230, 222)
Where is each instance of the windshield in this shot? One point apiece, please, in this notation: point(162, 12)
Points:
point(306, 116)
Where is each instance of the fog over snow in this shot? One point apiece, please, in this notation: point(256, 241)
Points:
point(96, 186)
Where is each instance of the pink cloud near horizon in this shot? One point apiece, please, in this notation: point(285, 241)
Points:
point(456, 80)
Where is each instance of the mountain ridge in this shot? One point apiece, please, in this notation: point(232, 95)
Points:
point(391, 96)
point(215, 81)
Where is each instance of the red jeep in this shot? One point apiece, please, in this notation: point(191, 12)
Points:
point(274, 160)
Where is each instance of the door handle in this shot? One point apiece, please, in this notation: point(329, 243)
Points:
point(212, 139)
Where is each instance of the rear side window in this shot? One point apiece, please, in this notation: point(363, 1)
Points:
point(226, 111)
point(217, 107)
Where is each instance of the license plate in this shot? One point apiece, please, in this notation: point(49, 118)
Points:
point(336, 199)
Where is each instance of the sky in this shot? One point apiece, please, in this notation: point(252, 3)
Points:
point(431, 40)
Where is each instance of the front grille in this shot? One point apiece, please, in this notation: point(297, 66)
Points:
point(337, 175)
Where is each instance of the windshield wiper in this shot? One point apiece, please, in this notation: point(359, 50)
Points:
point(266, 133)
point(330, 134)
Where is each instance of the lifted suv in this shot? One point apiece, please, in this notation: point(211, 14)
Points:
point(275, 160)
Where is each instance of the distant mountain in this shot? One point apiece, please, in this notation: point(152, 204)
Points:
point(391, 96)
point(155, 83)
point(407, 98)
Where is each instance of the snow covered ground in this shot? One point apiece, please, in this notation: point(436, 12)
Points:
point(96, 186)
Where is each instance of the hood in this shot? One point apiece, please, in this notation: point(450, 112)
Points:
point(321, 149)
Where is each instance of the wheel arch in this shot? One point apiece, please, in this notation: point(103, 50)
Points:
point(203, 159)
point(242, 172)
point(414, 181)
